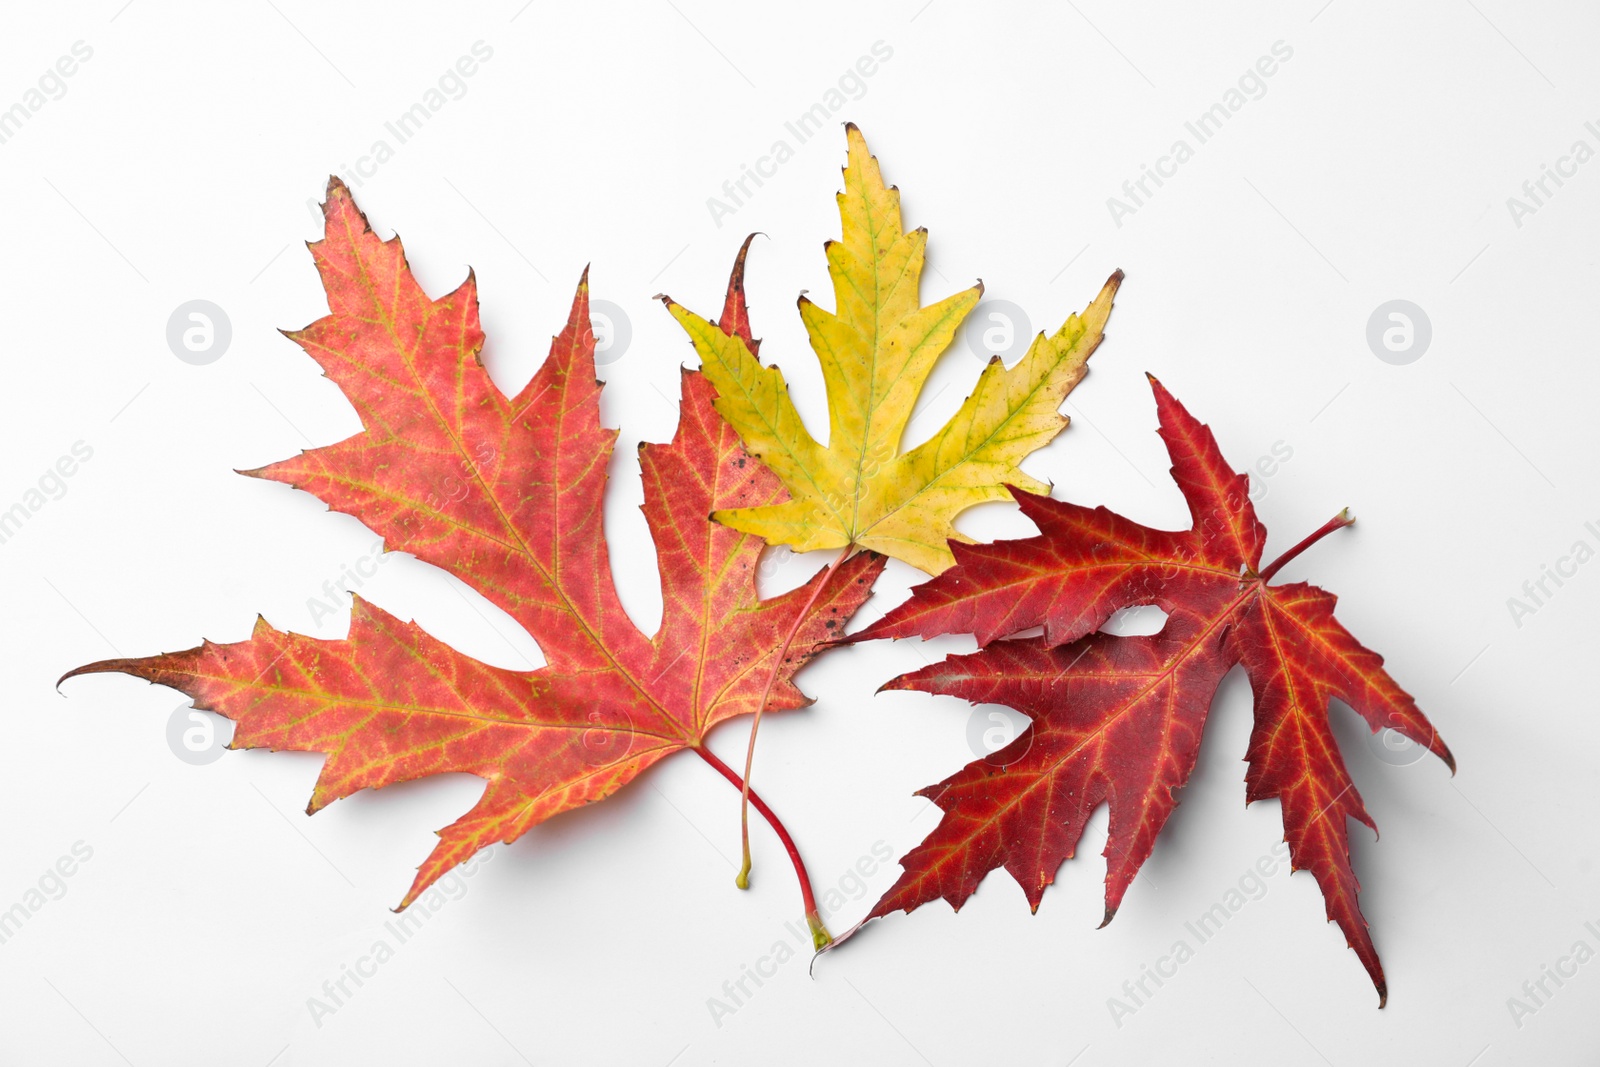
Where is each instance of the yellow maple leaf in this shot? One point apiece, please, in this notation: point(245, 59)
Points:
point(877, 348)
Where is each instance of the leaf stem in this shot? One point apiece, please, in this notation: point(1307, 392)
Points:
point(1339, 521)
point(819, 934)
point(743, 879)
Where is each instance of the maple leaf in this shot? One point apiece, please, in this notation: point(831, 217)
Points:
point(507, 493)
point(1119, 719)
point(877, 348)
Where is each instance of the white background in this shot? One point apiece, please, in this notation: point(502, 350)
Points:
point(179, 164)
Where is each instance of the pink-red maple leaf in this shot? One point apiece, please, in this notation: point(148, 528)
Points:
point(1118, 720)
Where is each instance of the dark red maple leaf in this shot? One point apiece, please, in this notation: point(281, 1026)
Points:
point(507, 493)
point(1118, 720)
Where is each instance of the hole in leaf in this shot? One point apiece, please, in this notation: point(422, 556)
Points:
point(1140, 621)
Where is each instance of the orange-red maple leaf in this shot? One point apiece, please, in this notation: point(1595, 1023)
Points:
point(1118, 720)
point(507, 493)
